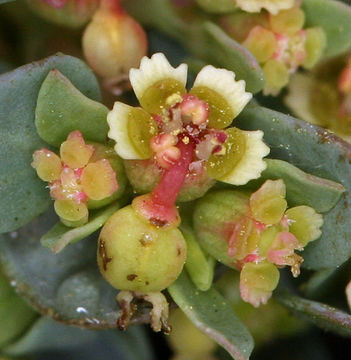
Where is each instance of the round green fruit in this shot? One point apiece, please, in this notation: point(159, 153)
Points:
point(137, 256)
point(215, 217)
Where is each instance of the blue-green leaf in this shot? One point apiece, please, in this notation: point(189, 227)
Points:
point(322, 154)
point(335, 19)
point(322, 315)
point(51, 337)
point(67, 286)
point(23, 194)
point(61, 109)
point(213, 315)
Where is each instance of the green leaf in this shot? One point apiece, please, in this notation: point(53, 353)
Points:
point(317, 152)
point(23, 194)
point(5, 1)
point(223, 51)
point(68, 286)
point(51, 337)
point(201, 38)
point(217, 7)
point(213, 315)
point(58, 237)
point(199, 265)
point(15, 314)
point(322, 315)
point(302, 188)
point(61, 108)
point(335, 18)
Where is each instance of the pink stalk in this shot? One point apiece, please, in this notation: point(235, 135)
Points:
point(159, 206)
point(172, 180)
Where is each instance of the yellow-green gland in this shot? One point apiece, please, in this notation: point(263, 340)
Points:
point(137, 256)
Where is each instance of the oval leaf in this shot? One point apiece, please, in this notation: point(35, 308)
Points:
point(213, 315)
point(199, 265)
point(59, 236)
point(51, 337)
point(322, 154)
point(335, 18)
point(61, 109)
point(68, 286)
point(23, 194)
point(322, 315)
point(16, 316)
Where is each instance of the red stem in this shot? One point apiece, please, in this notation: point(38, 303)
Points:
point(172, 180)
point(112, 5)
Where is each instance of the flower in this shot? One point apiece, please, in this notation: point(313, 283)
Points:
point(79, 178)
point(256, 234)
point(179, 131)
point(278, 41)
point(323, 97)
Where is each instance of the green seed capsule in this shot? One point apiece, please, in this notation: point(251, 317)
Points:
point(137, 256)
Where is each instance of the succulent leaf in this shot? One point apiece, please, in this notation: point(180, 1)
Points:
point(18, 139)
point(213, 315)
point(62, 108)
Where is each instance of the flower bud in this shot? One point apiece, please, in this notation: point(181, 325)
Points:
point(113, 42)
point(70, 13)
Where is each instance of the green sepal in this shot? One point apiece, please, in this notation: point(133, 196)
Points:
point(212, 314)
point(322, 315)
point(23, 195)
point(199, 265)
point(61, 109)
point(335, 19)
point(59, 236)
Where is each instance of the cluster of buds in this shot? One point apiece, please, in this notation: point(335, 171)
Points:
point(80, 178)
point(278, 41)
point(257, 234)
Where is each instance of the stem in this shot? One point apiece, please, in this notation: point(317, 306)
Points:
point(172, 180)
point(112, 5)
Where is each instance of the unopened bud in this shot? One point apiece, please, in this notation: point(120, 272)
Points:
point(70, 13)
point(113, 42)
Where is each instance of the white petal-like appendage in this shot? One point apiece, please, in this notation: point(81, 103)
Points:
point(117, 120)
point(252, 164)
point(154, 69)
point(223, 82)
point(272, 6)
